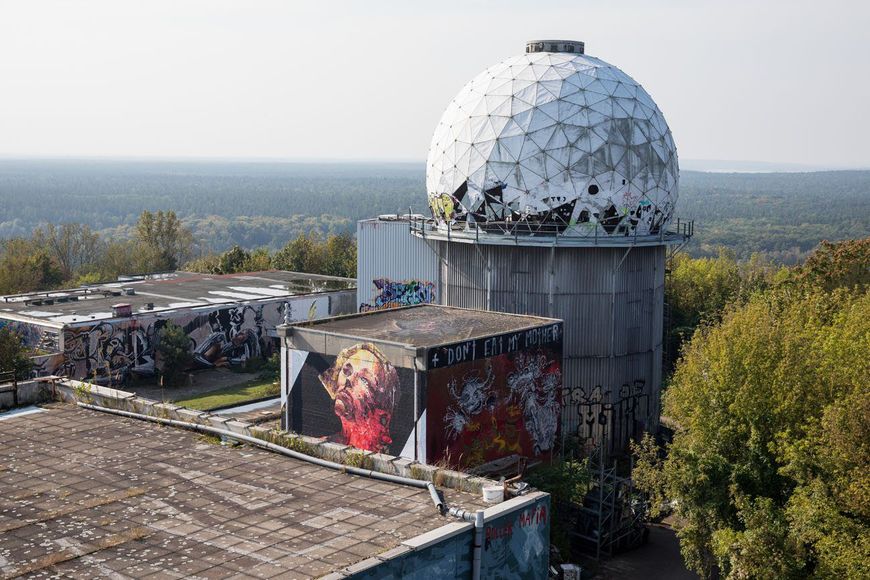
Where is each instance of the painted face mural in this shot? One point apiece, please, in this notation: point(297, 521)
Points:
point(364, 386)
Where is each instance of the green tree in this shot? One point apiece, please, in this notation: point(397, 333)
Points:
point(74, 247)
point(14, 356)
point(303, 254)
point(25, 267)
point(164, 242)
point(770, 464)
point(173, 353)
point(234, 260)
point(339, 256)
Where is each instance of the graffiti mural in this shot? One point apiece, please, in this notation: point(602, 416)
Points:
point(392, 294)
point(516, 544)
point(110, 351)
point(364, 386)
point(32, 336)
point(535, 387)
point(357, 397)
point(495, 397)
point(465, 403)
point(595, 414)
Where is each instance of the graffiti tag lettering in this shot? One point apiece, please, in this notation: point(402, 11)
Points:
point(392, 294)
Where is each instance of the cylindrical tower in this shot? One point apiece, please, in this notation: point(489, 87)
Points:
point(552, 178)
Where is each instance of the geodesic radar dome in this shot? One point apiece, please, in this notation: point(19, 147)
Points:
point(557, 140)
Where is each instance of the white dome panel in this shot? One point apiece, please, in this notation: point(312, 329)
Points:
point(554, 138)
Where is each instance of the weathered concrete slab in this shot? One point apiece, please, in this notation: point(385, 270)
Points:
point(89, 494)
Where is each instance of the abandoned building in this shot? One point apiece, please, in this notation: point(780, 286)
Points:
point(106, 332)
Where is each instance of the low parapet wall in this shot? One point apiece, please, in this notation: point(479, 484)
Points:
point(30, 392)
point(514, 543)
point(77, 391)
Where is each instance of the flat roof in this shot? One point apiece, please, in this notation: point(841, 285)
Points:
point(425, 325)
point(166, 292)
point(91, 494)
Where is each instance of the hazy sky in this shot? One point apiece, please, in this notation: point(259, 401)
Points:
point(758, 80)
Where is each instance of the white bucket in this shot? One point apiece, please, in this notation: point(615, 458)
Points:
point(493, 493)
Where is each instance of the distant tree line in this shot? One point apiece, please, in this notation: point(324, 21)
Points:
point(781, 215)
point(334, 255)
point(72, 254)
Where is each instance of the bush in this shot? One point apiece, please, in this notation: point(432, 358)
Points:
point(14, 356)
point(173, 352)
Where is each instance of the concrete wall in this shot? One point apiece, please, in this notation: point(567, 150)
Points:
point(463, 404)
point(24, 393)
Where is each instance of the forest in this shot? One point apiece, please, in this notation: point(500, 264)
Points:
point(266, 204)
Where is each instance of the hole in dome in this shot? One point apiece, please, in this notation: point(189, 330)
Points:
point(593, 189)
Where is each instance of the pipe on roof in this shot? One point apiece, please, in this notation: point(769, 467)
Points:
point(433, 492)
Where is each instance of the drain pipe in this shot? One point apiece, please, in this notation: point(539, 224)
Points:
point(433, 492)
point(478, 545)
point(476, 518)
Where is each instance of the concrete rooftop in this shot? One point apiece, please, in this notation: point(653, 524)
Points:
point(424, 325)
point(166, 292)
point(86, 494)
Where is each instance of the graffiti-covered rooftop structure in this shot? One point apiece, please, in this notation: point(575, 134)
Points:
point(107, 331)
point(427, 383)
point(552, 180)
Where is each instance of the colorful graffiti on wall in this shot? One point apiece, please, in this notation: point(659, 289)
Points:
point(485, 409)
point(365, 388)
point(493, 397)
point(110, 351)
point(393, 294)
point(516, 544)
point(482, 399)
point(32, 336)
point(356, 398)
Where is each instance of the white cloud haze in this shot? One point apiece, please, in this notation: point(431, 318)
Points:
point(781, 81)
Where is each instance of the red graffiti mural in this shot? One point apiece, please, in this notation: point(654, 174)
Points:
point(489, 408)
point(364, 386)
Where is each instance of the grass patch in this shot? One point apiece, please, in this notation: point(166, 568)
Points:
point(235, 395)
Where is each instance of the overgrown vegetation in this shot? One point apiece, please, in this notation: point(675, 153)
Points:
point(698, 290)
point(567, 481)
point(73, 254)
point(769, 468)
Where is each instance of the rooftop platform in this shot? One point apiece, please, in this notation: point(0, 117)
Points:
point(87, 494)
point(424, 325)
point(164, 293)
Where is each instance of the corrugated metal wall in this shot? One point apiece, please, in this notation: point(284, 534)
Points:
point(388, 250)
point(611, 302)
